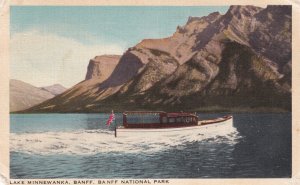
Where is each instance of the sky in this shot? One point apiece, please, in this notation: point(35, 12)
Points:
point(51, 44)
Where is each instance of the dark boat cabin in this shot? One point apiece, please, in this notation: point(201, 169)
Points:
point(158, 119)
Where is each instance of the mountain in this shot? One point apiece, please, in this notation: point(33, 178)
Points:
point(99, 70)
point(237, 61)
point(24, 95)
point(101, 67)
point(55, 89)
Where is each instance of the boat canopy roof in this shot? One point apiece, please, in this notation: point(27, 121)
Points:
point(177, 114)
point(144, 112)
point(161, 113)
point(156, 119)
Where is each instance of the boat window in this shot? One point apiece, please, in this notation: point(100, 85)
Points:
point(179, 120)
point(142, 118)
point(188, 119)
point(171, 120)
point(193, 119)
point(185, 119)
point(164, 119)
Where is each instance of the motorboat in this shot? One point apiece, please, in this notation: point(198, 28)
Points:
point(157, 123)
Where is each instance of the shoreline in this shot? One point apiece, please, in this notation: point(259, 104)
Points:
point(199, 110)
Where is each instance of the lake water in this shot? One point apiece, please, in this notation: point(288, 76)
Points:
point(82, 146)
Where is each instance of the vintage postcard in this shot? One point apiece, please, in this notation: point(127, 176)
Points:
point(149, 93)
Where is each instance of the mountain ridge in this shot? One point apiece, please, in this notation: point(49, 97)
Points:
point(24, 95)
point(224, 61)
point(54, 89)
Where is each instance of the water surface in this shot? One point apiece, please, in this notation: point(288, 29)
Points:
point(82, 146)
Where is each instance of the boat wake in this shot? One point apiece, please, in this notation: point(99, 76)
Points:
point(89, 142)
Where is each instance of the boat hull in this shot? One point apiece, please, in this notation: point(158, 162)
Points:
point(225, 124)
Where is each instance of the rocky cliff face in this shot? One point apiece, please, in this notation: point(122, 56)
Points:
point(234, 67)
point(240, 59)
point(180, 45)
point(101, 67)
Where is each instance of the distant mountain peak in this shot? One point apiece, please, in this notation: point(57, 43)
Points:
point(54, 89)
point(24, 95)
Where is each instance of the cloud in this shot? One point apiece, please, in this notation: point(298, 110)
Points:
point(44, 59)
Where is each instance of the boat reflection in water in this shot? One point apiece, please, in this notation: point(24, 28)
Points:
point(158, 123)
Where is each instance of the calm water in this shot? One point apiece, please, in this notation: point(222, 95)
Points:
point(81, 146)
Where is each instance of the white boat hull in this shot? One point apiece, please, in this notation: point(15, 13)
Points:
point(156, 132)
